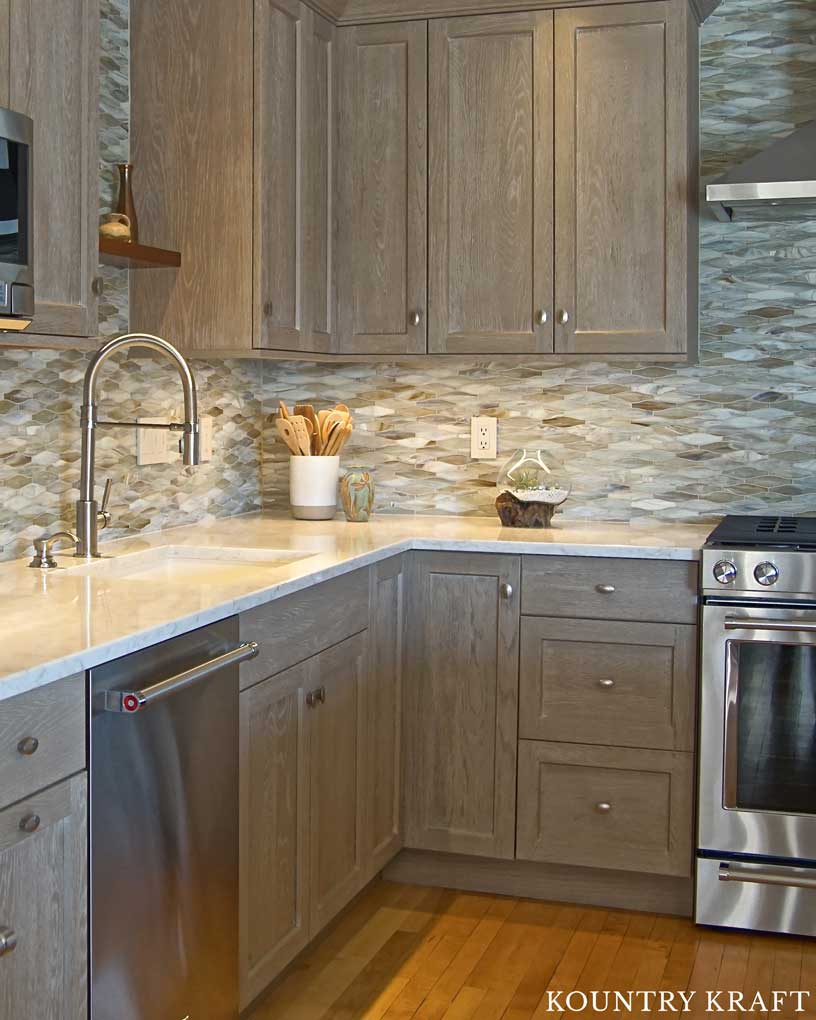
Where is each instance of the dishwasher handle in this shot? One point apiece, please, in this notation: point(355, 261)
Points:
point(129, 702)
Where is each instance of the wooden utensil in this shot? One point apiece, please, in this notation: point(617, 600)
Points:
point(329, 436)
point(287, 434)
point(301, 429)
point(343, 438)
point(284, 413)
point(308, 412)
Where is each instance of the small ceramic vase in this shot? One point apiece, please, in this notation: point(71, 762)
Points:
point(115, 225)
point(357, 495)
point(125, 204)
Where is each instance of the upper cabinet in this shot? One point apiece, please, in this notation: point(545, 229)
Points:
point(491, 184)
point(382, 187)
point(50, 49)
point(626, 180)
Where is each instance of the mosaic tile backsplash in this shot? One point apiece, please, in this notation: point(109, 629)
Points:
point(735, 433)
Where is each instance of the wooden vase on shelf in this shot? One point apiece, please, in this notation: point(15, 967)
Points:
point(124, 204)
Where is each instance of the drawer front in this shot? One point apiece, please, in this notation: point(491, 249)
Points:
point(609, 589)
point(42, 738)
point(605, 807)
point(625, 684)
point(294, 628)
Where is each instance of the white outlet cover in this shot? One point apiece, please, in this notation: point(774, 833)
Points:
point(484, 438)
point(206, 438)
point(152, 445)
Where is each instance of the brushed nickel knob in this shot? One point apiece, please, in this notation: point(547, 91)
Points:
point(30, 823)
point(563, 317)
point(603, 808)
point(605, 589)
point(28, 746)
point(415, 318)
point(542, 318)
point(606, 684)
point(98, 286)
point(8, 941)
point(506, 590)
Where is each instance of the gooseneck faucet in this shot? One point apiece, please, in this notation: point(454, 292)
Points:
point(89, 517)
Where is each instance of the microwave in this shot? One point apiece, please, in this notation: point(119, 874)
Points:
point(16, 221)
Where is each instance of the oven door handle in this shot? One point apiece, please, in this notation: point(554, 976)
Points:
point(789, 626)
point(793, 877)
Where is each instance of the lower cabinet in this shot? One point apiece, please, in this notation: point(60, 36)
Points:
point(462, 704)
point(43, 896)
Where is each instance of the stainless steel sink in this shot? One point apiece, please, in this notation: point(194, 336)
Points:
point(182, 564)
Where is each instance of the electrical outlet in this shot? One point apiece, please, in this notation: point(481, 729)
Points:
point(154, 446)
point(206, 438)
point(484, 438)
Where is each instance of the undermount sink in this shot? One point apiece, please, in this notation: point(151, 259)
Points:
point(182, 564)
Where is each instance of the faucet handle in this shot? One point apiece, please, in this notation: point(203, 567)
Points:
point(103, 516)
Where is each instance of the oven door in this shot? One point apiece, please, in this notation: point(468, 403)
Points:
point(758, 731)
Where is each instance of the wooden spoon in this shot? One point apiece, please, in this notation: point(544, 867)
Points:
point(284, 413)
point(329, 437)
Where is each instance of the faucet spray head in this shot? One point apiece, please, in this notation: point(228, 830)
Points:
point(191, 444)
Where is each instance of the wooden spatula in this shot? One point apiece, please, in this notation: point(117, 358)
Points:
point(287, 434)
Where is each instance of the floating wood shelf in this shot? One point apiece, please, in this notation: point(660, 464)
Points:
point(127, 255)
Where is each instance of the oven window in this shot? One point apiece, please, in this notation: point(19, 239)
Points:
point(776, 728)
point(13, 206)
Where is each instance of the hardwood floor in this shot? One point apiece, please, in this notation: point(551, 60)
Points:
point(412, 953)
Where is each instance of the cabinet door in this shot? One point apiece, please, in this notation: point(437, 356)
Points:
point(593, 682)
point(382, 189)
point(491, 184)
point(624, 173)
point(53, 53)
point(274, 792)
point(191, 143)
point(43, 901)
point(383, 711)
point(461, 704)
point(337, 742)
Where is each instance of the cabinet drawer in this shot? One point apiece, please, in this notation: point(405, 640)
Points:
point(605, 807)
point(294, 628)
point(42, 738)
point(592, 682)
point(609, 589)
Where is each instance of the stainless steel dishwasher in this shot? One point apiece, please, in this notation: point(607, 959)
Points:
point(164, 829)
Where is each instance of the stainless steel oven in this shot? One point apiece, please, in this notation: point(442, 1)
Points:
point(756, 865)
point(16, 221)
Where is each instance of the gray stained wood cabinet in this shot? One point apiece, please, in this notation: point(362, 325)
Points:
point(49, 71)
point(461, 704)
point(43, 902)
point(382, 182)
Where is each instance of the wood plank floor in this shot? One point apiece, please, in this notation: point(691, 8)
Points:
point(412, 953)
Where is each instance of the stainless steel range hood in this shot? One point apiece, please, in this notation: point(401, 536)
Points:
point(782, 179)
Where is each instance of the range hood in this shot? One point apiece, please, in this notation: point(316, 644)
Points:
point(782, 179)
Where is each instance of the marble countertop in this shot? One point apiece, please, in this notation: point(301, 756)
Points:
point(64, 621)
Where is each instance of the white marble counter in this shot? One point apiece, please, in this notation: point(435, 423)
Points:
point(61, 622)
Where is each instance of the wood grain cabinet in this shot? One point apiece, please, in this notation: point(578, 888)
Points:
point(382, 180)
point(491, 184)
point(51, 52)
point(461, 704)
point(43, 905)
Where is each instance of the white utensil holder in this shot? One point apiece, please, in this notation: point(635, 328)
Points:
point(313, 485)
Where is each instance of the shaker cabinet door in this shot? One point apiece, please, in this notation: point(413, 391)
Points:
point(53, 78)
point(382, 181)
point(623, 176)
point(462, 704)
point(491, 184)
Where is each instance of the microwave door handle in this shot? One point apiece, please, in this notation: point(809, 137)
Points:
point(130, 702)
point(788, 626)
point(793, 877)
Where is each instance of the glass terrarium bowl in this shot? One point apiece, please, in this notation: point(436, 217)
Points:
point(531, 485)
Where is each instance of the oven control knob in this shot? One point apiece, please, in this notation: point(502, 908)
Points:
point(767, 574)
point(725, 572)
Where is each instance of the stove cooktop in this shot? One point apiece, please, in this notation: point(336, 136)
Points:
point(767, 532)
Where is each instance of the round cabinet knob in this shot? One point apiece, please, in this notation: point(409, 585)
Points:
point(506, 590)
point(8, 941)
point(603, 808)
point(725, 572)
point(30, 823)
point(767, 574)
point(563, 317)
point(541, 318)
point(606, 684)
point(28, 746)
point(605, 589)
point(415, 318)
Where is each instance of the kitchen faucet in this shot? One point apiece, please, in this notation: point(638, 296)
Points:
point(89, 517)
